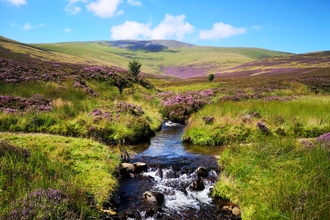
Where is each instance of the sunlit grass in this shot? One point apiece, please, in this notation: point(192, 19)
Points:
point(275, 178)
point(63, 163)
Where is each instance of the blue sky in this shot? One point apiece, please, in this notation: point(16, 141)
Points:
point(296, 26)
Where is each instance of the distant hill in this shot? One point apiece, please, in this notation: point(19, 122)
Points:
point(162, 57)
point(171, 58)
point(149, 45)
point(296, 64)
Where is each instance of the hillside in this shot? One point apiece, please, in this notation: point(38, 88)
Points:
point(171, 58)
point(282, 65)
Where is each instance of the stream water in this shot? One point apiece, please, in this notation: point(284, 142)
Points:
point(172, 168)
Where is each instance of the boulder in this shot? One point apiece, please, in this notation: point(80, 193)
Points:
point(153, 198)
point(126, 169)
point(140, 167)
point(202, 172)
point(236, 211)
point(197, 185)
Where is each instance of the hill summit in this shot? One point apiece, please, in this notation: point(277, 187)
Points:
point(149, 45)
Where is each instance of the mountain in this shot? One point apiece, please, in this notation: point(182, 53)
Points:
point(149, 45)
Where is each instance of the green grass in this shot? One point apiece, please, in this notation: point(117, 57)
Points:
point(72, 108)
point(78, 167)
point(276, 178)
point(304, 117)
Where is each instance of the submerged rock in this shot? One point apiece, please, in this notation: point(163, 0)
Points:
point(202, 172)
point(197, 185)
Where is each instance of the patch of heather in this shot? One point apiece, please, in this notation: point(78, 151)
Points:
point(177, 108)
point(16, 71)
point(43, 204)
point(208, 119)
point(324, 139)
point(11, 104)
point(109, 113)
point(317, 83)
point(262, 127)
point(7, 148)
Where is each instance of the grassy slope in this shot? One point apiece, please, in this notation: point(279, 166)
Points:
point(218, 58)
point(16, 50)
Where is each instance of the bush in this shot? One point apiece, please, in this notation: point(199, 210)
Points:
point(210, 77)
point(134, 67)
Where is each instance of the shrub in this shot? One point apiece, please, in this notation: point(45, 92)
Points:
point(134, 67)
point(210, 77)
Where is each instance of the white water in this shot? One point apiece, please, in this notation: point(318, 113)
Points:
point(177, 193)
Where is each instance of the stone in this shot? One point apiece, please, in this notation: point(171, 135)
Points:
point(140, 167)
point(202, 172)
point(227, 208)
point(153, 198)
point(126, 168)
point(236, 211)
point(197, 185)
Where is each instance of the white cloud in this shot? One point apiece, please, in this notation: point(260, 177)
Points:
point(170, 27)
point(220, 30)
point(104, 8)
point(130, 30)
point(67, 31)
point(27, 26)
point(16, 2)
point(72, 7)
point(134, 2)
point(42, 25)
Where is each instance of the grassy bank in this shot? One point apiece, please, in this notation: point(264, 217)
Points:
point(301, 117)
point(37, 169)
point(272, 166)
point(277, 178)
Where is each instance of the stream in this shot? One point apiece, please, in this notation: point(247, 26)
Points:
point(172, 168)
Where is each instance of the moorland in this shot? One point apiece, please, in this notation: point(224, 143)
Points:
point(69, 110)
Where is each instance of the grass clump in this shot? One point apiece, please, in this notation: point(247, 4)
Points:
point(64, 174)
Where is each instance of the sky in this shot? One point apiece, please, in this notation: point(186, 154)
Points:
point(296, 26)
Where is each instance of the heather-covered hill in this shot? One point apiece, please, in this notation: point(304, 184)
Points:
point(291, 65)
point(162, 57)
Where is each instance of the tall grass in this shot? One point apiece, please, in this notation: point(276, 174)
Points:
point(236, 121)
point(276, 178)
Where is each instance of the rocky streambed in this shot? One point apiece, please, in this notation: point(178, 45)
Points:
point(166, 180)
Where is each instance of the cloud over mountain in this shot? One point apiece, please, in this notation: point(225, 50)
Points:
point(170, 27)
point(220, 30)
